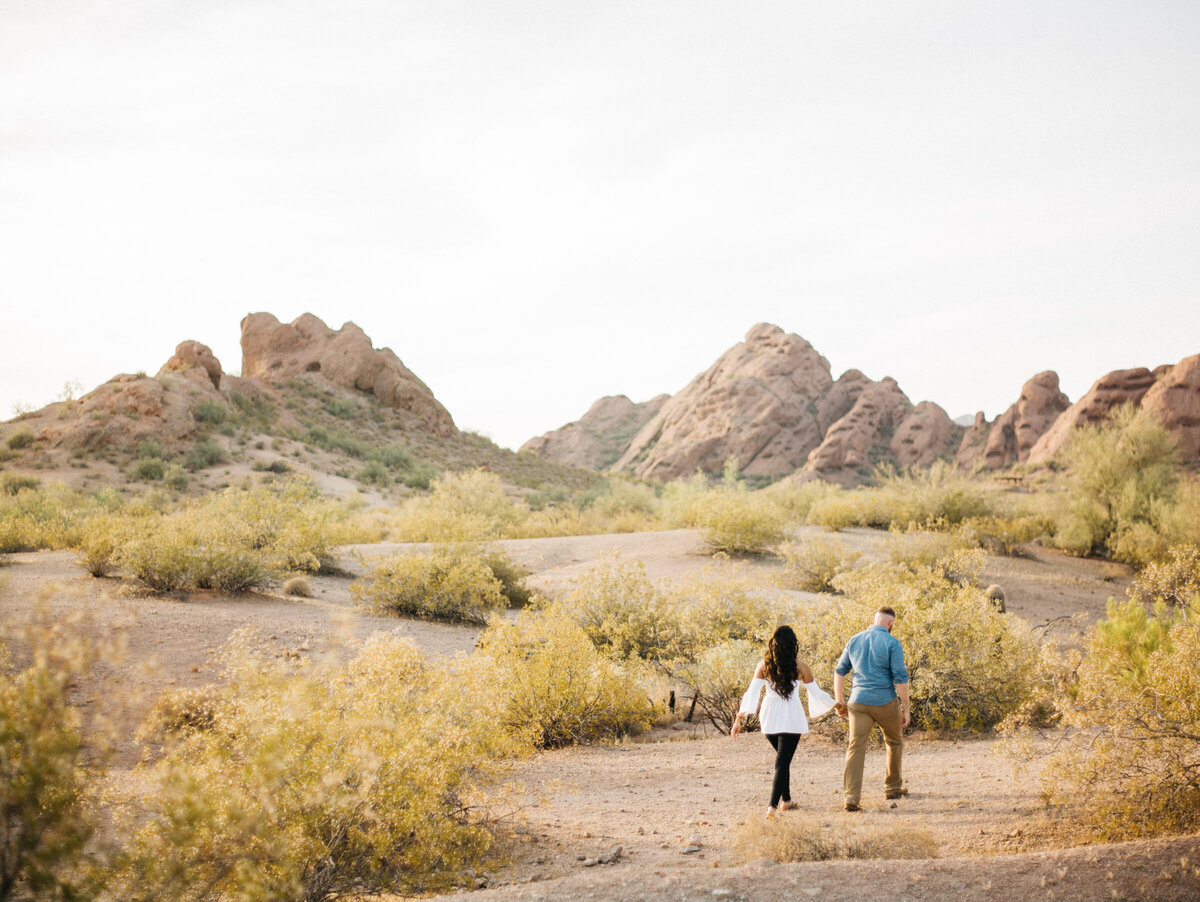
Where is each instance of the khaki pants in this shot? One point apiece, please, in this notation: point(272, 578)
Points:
point(862, 719)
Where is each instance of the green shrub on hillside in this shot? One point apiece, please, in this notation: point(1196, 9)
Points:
point(20, 439)
point(211, 413)
point(462, 507)
point(205, 453)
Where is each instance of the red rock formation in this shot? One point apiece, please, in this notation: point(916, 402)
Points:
point(757, 403)
point(600, 436)
point(1116, 388)
point(1175, 399)
point(974, 440)
point(346, 357)
point(1017, 430)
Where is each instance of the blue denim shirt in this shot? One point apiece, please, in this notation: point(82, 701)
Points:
point(877, 660)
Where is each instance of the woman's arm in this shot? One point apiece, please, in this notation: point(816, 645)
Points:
point(806, 674)
point(737, 721)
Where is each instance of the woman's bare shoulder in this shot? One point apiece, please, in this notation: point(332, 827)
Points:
point(760, 670)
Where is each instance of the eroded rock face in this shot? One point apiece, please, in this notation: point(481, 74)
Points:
point(196, 362)
point(757, 403)
point(974, 440)
point(1016, 431)
point(600, 436)
point(924, 434)
point(1175, 399)
point(853, 442)
point(274, 350)
point(1117, 388)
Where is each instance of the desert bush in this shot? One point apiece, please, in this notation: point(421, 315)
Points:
point(549, 683)
point(442, 584)
point(375, 473)
point(358, 779)
point(150, 447)
point(205, 453)
point(100, 544)
point(462, 507)
point(298, 587)
point(800, 838)
point(20, 439)
point(718, 677)
point(836, 512)
point(927, 548)
point(150, 469)
point(337, 440)
point(680, 499)
point(14, 483)
point(1129, 762)
point(969, 666)
point(510, 575)
point(738, 521)
point(211, 413)
point(1006, 535)
point(1174, 581)
point(795, 500)
point(811, 563)
point(236, 540)
point(1122, 475)
point(175, 478)
point(627, 617)
point(44, 786)
point(278, 466)
point(623, 497)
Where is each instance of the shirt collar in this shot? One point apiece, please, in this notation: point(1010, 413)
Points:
point(877, 626)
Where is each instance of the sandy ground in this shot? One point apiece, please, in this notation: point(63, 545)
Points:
point(653, 795)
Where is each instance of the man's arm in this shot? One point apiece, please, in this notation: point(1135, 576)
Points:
point(905, 712)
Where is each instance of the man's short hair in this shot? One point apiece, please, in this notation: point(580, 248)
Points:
point(886, 610)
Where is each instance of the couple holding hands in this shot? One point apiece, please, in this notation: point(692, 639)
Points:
point(879, 696)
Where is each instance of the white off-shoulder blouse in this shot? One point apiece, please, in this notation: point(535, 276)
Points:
point(785, 715)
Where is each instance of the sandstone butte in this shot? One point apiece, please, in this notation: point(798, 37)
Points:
point(130, 409)
point(771, 403)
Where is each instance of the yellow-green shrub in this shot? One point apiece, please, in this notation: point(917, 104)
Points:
point(738, 521)
point(442, 584)
point(626, 616)
point(462, 507)
point(1174, 581)
point(969, 666)
point(1006, 535)
point(546, 681)
point(796, 500)
point(811, 563)
point(1129, 762)
point(46, 821)
point(718, 678)
point(928, 548)
point(359, 779)
point(1122, 477)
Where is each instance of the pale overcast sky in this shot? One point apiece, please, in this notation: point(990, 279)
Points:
point(537, 204)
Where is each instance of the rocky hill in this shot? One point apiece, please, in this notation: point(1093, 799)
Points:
point(771, 402)
point(600, 436)
point(311, 400)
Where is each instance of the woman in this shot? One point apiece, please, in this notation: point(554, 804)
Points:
point(782, 715)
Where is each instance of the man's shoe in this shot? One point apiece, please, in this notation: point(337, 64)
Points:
point(896, 793)
point(850, 806)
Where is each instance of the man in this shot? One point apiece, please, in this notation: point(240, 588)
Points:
point(879, 696)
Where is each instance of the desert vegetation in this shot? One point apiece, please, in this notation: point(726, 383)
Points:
point(379, 768)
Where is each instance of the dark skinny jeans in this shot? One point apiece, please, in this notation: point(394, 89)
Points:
point(785, 747)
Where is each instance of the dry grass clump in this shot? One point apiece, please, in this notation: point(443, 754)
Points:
point(446, 583)
point(812, 563)
point(1173, 581)
point(362, 778)
point(547, 683)
point(297, 587)
point(795, 837)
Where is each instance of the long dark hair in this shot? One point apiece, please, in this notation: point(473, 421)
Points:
point(782, 670)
